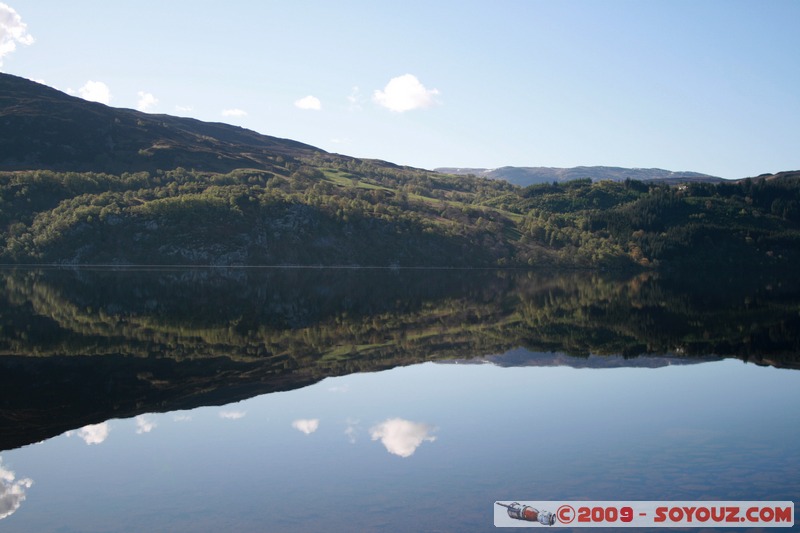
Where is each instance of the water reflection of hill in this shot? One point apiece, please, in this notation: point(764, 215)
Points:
point(82, 346)
point(522, 357)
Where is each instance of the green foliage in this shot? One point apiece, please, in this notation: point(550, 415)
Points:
point(328, 209)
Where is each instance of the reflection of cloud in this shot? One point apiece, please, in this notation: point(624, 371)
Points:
point(12, 491)
point(339, 388)
point(182, 418)
point(307, 426)
point(144, 424)
point(401, 437)
point(232, 415)
point(350, 430)
point(93, 434)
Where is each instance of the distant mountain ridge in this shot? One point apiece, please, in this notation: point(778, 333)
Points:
point(525, 176)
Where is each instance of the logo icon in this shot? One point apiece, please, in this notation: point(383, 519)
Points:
point(528, 513)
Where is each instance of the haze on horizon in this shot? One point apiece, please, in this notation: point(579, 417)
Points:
point(708, 86)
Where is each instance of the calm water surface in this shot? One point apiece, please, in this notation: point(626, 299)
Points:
point(423, 448)
point(419, 447)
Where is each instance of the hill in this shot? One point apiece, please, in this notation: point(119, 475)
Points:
point(84, 183)
point(525, 176)
point(42, 128)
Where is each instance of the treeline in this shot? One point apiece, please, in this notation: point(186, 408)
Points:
point(334, 210)
point(741, 224)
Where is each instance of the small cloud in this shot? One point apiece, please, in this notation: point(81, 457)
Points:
point(234, 113)
point(339, 388)
point(307, 426)
point(146, 102)
point(12, 31)
point(12, 490)
point(401, 437)
point(308, 102)
point(183, 108)
point(232, 415)
point(355, 99)
point(93, 434)
point(144, 424)
point(181, 418)
point(95, 91)
point(405, 93)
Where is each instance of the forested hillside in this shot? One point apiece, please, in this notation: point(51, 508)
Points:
point(83, 183)
point(331, 211)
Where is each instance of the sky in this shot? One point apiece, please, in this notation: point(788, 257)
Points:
point(710, 86)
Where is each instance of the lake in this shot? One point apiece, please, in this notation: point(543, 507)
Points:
point(385, 400)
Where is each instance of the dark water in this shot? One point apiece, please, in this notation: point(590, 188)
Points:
point(318, 400)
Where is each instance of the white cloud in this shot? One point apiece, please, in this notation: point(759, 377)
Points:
point(146, 102)
point(308, 102)
point(12, 31)
point(405, 93)
point(93, 434)
point(95, 91)
point(232, 415)
point(12, 490)
point(307, 426)
point(234, 113)
point(183, 108)
point(355, 99)
point(401, 437)
point(144, 424)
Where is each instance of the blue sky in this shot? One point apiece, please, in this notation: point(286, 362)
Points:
point(709, 86)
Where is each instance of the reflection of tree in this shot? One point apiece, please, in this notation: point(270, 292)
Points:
point(120, 343)
point(334, 318)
